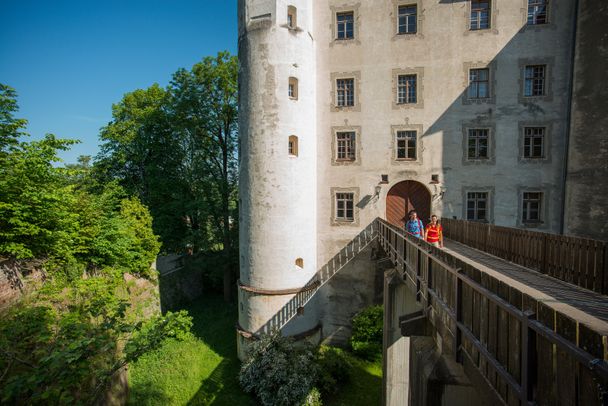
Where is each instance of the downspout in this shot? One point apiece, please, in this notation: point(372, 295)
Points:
point(569, 119)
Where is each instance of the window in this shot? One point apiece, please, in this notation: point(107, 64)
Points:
point(535, 80)
point(292, 88)
point(537, 12)
point(478, 144)
point(300, 262)
point(477, 206)
point(480, 14)
point(292, 17)
point(407, 19)
point(532, 203)
point(293, 145)
point(479, 83)
point(406, 145)
point(345, 92)
point(345, 25)
point(406, 89)
point(534, 140)
point(346, 146)
point(345, 206)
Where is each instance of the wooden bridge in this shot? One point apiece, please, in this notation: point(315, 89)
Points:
point(524, 313)
point(523, 334)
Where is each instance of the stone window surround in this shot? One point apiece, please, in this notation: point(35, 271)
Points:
point(419, 147)
point(491, 66)
point(544, 223)
point(354, 8)
point(334, 96)
point(493, 18)
point(419, 72)
point(551, 6)
point(549, 62)
point(479, 124)
point(548, 125)
point(341, 223)
point(490, 202)
point(419, 23)
point(334, 149)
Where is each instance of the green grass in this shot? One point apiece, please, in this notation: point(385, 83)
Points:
point(204, 370)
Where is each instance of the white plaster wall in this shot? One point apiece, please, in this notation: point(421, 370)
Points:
point(442, 48)
point(277, 192)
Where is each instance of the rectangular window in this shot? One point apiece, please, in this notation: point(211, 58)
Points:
point(345, 25)
point(345, 146)
point(480, 14)
point(291, 90)
point(479, 83)
point(534, 140)
point(537, 12)
point(406, 89)
point(477, 206)
point(345, 206)
point(406, 145)
point(535, 80)
point(478, 144)
point(532, 203)
point(407, 19)
point(346, 92)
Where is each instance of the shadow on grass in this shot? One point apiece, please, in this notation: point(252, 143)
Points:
point(364, 387)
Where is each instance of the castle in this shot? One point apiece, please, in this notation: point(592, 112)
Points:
point(357, 109)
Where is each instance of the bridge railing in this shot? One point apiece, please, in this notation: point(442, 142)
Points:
point(521, 350)
point(580, 261)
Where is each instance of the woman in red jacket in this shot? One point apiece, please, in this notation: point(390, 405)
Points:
point(433, 234)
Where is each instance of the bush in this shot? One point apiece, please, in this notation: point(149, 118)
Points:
point(279, 372)
point(335, 369)
point(366, 340)
point(313, 398)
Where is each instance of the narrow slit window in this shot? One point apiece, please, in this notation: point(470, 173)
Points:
point(300, 263)
point(292, 17)
point(292, 89)
point(293, 145)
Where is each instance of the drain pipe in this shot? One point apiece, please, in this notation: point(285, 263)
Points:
point(569, 119)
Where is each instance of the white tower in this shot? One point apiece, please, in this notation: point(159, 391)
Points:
point(278, 160)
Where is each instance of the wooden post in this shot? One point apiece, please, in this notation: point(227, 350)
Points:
point(528, 358)
point(458, 311)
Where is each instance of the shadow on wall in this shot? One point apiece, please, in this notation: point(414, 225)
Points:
point(178, 285)
point(495, 165)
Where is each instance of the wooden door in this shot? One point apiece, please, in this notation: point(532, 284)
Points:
point(405, 196)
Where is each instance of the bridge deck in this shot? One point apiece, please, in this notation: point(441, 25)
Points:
point(580, 304)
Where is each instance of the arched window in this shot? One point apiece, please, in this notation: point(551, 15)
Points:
point(293, 88)
point(300, 262)
point(293, 145)
point(292, 17)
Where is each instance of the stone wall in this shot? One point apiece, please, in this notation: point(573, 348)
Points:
point(586, 213)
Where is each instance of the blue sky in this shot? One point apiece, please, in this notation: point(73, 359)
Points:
point(70, 60)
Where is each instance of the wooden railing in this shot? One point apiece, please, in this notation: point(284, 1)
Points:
point(580, 261)
point(521, 350)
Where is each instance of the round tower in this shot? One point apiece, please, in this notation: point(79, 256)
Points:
point(278, 152)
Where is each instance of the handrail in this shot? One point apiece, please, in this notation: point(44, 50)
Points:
point(394, 239)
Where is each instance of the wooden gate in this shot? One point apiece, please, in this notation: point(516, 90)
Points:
point(405, 196)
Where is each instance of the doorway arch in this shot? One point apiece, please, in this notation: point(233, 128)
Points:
point(405, 196)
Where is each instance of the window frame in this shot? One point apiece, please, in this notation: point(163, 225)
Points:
point(293, 146)
point(418, 73)
point(526, 207)
point(347, 146)
point(407, 97)
point(528, 150)
point(344, 26)
point(344, 221)
point(407, 138)
point(407, 16)
point(531, 18)
point(476, 199)
point(477, 81)
point(349, 94)
point(533, 79)
point(478, 19)
point(474, 134)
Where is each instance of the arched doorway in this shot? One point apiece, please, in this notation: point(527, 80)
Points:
point(405, 196)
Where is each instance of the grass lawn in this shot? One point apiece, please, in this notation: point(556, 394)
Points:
point(204, 371)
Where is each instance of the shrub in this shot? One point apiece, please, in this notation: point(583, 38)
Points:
point(366, 340)
point(335, 369)
point(313, 398)
point(279, 372)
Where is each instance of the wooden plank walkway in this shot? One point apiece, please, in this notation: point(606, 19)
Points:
point(580, 304)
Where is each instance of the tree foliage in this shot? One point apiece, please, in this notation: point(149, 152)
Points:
point(366, 340)
point(176, 149)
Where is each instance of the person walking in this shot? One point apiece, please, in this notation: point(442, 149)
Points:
point(433, 234)
point(414, 225)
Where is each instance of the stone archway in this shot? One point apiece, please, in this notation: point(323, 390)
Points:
point(405, 196)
